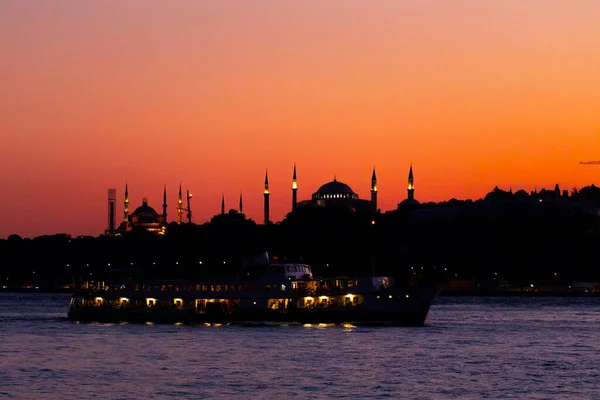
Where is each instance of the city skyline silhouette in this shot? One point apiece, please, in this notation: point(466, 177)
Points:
point(474, 95)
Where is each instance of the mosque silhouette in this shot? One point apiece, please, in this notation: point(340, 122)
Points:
point(334, 193)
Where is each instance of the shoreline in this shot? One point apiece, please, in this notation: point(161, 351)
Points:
point(517, 294)
point(442, 293)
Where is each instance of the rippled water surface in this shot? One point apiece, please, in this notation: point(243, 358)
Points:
point(471, 348)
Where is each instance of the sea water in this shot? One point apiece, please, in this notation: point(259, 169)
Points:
point(470, 348)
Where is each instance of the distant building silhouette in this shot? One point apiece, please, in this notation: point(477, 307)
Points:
point(294, 189)
point(126, 208)
point(333, 193)
point(336, 193)
point(374, 190)
point(266, 194)
point(165, 203)
point(410, 199)
point(144, 217)
point(180, 206)
point(112, 206)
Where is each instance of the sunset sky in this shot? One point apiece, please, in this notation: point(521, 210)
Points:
point(210, 93)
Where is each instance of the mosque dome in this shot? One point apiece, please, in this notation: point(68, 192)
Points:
point(143, 218)
point(408, 202)
point(334, 187)
point(145, 213)
point(145, 210)
point(335, 190)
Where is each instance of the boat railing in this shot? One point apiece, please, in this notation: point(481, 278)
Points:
point(191, 288)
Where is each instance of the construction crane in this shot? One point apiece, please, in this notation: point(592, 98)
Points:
point(189, 209)
point(590, 162)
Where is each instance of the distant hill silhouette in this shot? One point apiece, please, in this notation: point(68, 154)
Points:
point(543, 237)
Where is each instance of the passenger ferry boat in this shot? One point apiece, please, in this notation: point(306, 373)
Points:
point(281, 293)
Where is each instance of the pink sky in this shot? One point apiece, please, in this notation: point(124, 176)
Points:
point(473, 93)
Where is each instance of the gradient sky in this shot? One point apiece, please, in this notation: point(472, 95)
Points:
point(474, 93)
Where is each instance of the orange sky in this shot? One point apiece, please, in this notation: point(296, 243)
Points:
point(473, 93)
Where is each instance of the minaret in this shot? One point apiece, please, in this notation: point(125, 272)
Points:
point(222, 204)
point(294, 189)
point(411, 184)
point(165, 204)
point(241, 210)
point(180, 206)
point(266, 197)
point(374, 190)
point(126, 209)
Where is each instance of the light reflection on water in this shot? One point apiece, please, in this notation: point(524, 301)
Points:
point(470, 348)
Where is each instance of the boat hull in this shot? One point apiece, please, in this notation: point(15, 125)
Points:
point(247, 317)
point(407, 306)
